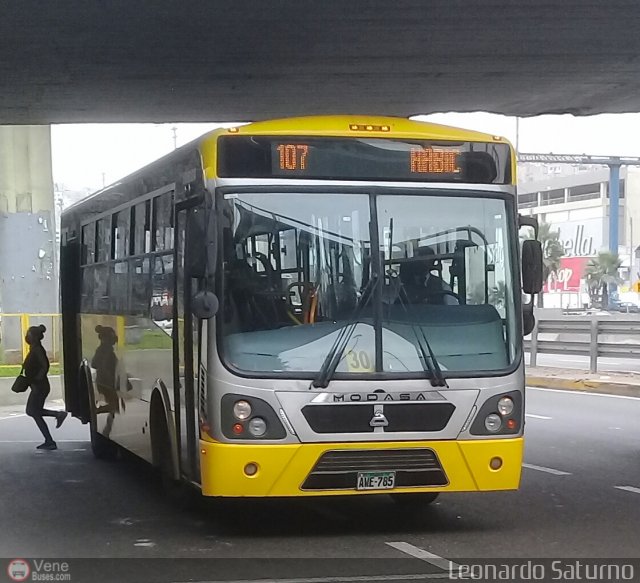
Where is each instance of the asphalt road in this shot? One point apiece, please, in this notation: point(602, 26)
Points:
point(580, 498)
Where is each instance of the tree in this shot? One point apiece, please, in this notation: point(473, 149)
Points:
point(601, 272)
point(552, 252)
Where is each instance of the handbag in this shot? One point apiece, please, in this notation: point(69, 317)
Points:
point(21, 384)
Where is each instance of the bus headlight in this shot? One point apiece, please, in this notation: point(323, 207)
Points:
point(500, 414)
point(505, 406)
point(493, 423)
point(241, 410)
point(248, 417)
point(257, 427)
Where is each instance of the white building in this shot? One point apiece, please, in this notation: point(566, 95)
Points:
point(578, 207)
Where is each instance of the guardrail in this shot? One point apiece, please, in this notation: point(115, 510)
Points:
point(13, 328)
point(591, 329)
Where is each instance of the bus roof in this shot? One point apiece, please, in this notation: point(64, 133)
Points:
point(341, 125)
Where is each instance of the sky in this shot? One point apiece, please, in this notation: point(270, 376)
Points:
point(87, 156)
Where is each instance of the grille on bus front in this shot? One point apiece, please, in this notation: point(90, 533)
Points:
point(338, 470)
point(356, 418)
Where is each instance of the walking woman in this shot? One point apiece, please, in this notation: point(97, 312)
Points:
point(36, 367)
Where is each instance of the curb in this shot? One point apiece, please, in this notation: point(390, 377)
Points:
point(584, 386)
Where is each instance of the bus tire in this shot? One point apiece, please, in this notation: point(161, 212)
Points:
point(416, 500)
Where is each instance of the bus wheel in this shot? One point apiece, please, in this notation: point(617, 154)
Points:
point(414, 500)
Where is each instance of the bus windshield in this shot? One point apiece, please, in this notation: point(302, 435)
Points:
point(297, 268)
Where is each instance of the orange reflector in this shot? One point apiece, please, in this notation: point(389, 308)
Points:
point(203, 451)
point(495, 463)
point(497, 138)
point(251, 469)
point(355, 127)
point(233, 130)
point(511, 423)
point(238, 428)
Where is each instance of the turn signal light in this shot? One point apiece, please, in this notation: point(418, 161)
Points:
point(238, 428)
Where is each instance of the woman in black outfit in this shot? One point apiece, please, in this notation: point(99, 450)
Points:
point(36, 367)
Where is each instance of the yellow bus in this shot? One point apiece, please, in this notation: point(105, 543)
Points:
point(306, 307)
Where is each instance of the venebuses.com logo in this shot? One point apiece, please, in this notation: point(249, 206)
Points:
point(38, 570)
point(18, 570)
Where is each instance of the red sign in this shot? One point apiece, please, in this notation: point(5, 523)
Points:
point(568, 277)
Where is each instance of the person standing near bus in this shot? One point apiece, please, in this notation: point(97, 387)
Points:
point(36, 368)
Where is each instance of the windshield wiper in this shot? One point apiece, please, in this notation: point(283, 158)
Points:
point(429, 362)
point(335, 354)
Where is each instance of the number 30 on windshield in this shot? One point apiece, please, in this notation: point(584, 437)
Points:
point(359, 361)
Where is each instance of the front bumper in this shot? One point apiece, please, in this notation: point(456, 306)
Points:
point(283, 469)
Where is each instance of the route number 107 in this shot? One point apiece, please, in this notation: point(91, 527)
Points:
point(293, 156)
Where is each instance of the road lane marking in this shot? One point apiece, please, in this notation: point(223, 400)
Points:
point(423, 555)
point(537, 416)
point(581, 392)
point(354, 579)
point(629, 489)
point(547, 470)
point(13, 416)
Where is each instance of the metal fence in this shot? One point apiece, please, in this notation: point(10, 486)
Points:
point(13, 328)
point(590, 337)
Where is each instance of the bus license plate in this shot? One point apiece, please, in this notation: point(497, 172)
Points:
point(376, 480)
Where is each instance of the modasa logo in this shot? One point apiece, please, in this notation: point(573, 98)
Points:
point(18, 570)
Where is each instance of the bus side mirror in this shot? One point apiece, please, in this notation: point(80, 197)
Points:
point(205, 305)
point(201, 243)
point(531, 266)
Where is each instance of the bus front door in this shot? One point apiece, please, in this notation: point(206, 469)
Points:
point(186, 354)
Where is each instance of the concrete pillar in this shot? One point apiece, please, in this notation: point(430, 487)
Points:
point(28, 270)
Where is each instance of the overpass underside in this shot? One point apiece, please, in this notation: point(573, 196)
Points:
point(78, 61)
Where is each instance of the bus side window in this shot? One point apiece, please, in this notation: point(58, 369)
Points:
point(120, 234)
point(163, 222)
point(103, 240)
point(140, 286)
point(88, 244)
point(119, 287)
point(142, 228)
point(88, 283)
point(162, 289)
point(100, 289)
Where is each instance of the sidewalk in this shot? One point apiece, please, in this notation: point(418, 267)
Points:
point(627, 384)
point(7, 397)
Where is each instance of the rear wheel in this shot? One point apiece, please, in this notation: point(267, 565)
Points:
point(416, 500)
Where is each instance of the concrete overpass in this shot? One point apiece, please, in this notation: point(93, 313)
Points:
point(78, 61)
